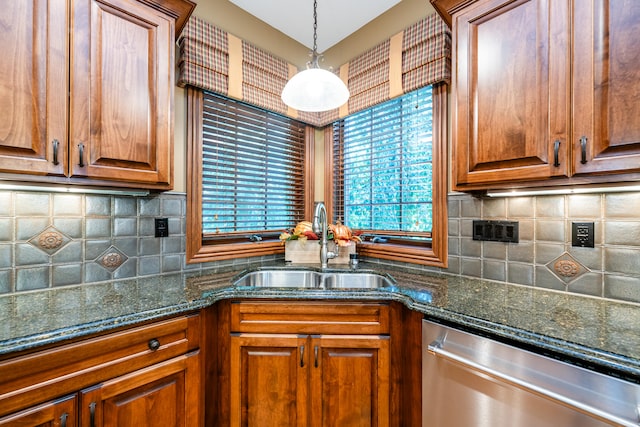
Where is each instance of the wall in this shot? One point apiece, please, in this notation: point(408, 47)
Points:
point(60, 239)
point(97, 228)
point(611, 269)
point(234, 20)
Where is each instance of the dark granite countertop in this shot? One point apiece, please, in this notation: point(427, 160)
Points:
point(597, 332)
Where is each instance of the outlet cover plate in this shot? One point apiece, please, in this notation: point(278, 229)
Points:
point(496, 231)
point(162, 227)
point(582, 234)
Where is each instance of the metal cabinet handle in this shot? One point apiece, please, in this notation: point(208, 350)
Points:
point(315, 356)
point(556, 153)
point(302, 356)
point(56, 145)
point(63, 419)
point(583, 149)
point(92, 414)
point(153, 344)
point(81, 155)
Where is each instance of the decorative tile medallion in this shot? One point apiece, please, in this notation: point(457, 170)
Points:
point(50, 240)
point(111, 259)
point(566, 268)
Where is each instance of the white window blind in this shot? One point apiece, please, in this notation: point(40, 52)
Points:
point(383, 168)
point(253, 169)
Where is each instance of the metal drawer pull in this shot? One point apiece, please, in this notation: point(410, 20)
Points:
point(81, 155)
point(63, 419)
point(153, 344)
point(302, 356)
point(92, 414)
point(436, 349)
point(556, 153)
point(315, 356)
point(56, 145)
point(583, 149)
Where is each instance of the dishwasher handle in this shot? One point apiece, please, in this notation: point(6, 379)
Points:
point(436, 348)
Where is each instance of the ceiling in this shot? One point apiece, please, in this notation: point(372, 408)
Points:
point(337, 19)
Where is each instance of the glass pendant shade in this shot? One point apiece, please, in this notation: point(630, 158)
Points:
point(315, 89)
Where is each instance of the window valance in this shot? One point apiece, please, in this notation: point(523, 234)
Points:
point(204, 57)
point(217, 61)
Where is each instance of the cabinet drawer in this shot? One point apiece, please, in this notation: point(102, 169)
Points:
point(42, 375)
point(312, 317)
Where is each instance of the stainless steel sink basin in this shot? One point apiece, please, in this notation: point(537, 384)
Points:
point(355, 281)
point(313, 279)
point(279, 279)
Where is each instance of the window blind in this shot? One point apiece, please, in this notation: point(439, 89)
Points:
point(383, 167)
point(252, 169)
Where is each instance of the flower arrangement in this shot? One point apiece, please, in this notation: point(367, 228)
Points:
point(339, 233)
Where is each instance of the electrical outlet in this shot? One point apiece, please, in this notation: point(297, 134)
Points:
point(162, 227)
point(582, 234)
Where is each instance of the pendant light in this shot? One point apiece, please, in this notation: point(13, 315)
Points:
point(315, 89)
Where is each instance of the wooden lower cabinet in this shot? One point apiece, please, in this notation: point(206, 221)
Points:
point(144, 376)
point(334, 377)
point(289, 380)
point(350, 381)
point(269, 380)
point(59, 413)
point(165, 394)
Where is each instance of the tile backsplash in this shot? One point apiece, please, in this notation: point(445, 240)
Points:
point(544, 256)
point(61, 239)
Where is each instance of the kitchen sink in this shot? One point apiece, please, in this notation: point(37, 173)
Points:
point(313, 279)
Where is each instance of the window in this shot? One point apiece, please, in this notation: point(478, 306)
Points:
point(249, 175)
point(388, 177)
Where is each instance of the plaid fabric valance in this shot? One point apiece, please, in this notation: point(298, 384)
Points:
point(214, 60)
point(426, 53)
point(416, 57)
point(204, 57)
point(263, 78)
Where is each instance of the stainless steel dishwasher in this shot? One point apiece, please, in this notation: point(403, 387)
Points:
point(473, 381)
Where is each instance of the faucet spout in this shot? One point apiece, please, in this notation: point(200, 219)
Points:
point(320, 225)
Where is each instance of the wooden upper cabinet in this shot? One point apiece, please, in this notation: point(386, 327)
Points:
point(33, 86)
point(121, 92)
point(606, 86)
point(86, 91)
point(546, 92)
point(511, 89)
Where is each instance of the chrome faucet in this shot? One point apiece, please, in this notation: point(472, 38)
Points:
point(320, 225)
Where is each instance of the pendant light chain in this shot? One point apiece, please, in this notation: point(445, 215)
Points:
point(314, 63)
point(315, 26)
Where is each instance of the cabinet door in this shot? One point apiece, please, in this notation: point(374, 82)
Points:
point(121, 92)
point(60, 413)
point(33, 86)
point(269, 380)
point(511, 74)
point(606, 86)
point(350, 381)
point(165, 394)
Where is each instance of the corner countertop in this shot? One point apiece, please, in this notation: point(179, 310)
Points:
point(599, 333)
